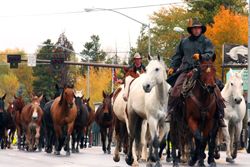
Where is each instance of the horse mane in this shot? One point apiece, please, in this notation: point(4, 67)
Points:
point(61, 98)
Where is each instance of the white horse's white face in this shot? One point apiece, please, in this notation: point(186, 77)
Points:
point(234, 86)
point(78, 93)
point(155, 74)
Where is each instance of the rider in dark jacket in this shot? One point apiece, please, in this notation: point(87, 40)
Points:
point(190, 50)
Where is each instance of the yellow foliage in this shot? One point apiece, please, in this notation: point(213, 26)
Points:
point(99, 80)
point(9, 85)
point(230, 28)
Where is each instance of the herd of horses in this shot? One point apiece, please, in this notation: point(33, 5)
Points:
point(136, 112)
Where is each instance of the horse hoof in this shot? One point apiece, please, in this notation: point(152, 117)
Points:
point(149, 165)
point(158, 164)
point(57, 153)
point(175, 164)
point(129, 160)
point(169, 159)
point(116, 158)
point(73, 151)
point(217, 155)
point(213, 164)
point(77, 150)
point(229, 160)
point(192, 162)
point(109, 152)
point(152, 158)
point(201, 164)
point(90, 146)
point(234, 156)
point(67, 153)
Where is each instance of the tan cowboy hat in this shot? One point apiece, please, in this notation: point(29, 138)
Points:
point(195, 23)
point(137, 56)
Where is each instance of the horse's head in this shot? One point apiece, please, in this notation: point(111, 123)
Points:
point(128, 81)
point(155, 74)
point(35, 110)
point(107, 106)
point(68, 96)
point(11, 109)
point(207, 75)
point(2, 103)
point(18, 103)
point(234, 86)
point(78, 100)
point(36, 99)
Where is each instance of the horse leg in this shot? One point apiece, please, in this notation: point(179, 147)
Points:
point(154, 141)
point(202, 154)
point(18, 137)
point(85, 137)
point(110, 135)
point(78, 138)
point(103, 138)
point(70, 128)
point(74, 134)
point(133, 117)
point(90, 135)
point(58, 132)
point(238, 129)
point(116, 156)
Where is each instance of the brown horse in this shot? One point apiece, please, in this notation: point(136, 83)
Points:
point(88, 129)
point(18, 105)
point(200, 110)
point(104, 118)
point(31, 119)
point(64, 112)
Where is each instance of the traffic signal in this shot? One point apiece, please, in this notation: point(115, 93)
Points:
point(14, 60)
point(57, 61)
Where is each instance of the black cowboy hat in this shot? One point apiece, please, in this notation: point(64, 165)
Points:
point(195, 23)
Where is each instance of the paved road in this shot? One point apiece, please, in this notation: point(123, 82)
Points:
point(90, 157)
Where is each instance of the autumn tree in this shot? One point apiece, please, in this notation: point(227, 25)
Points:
point(229, 27)
point(9, 84)
point(209, 8)
point(99, 80)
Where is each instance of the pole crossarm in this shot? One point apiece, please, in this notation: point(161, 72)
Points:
point(82, 63)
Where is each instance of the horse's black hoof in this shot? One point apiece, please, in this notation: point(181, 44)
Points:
point(90, 145)
point(73, 151)
point(213, 164)
point(109, 152)
point(169, 159)
point(234, 156)
point(116, 158)
point(149, 165)
point(77, 150)
point(192, 162)
point(152, 158)
point(201, 164)
point(129, 160)
point(67, 153)
point(81, 146)
point(217, 155)
point(229, 160)
point(158, 164)
point(57, 152)
point(175, 164)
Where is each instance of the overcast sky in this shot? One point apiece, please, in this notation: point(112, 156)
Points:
point(27, 23)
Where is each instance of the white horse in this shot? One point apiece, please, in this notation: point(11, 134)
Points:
point(234, 112)
point(147, 100)
point(122, 129)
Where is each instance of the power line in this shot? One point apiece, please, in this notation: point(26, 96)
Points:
point(83, 11)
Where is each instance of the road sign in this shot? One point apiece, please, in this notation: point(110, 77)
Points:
point(244, 77)
point(32, 60)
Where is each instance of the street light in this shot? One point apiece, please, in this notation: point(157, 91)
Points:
point(131, 18)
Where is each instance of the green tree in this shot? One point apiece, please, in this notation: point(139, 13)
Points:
point(163, 37)
point(93, 49)
point(209, 8)
point(45, 80)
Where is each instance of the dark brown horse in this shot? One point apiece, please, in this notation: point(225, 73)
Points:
point(200, 110)
point(18, 105)
point(11, 124)
point(64, 112)
point(88, 129)
point(104, 118)
point(31, 119)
